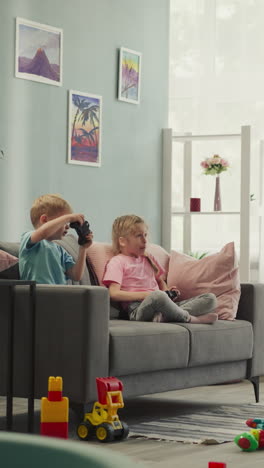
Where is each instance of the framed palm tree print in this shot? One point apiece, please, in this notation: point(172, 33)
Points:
point(129, 75)
point(84, 129)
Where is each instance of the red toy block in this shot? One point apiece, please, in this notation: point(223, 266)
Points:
point(54, 429)
point(107, 384)
point(54, 395)
point(216, 465)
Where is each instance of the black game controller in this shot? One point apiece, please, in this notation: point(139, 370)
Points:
point(82, 230)
point(172, 294)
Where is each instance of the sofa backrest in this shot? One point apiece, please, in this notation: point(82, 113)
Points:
point(69, 243)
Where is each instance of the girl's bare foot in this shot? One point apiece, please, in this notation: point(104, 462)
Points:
point(207, 318)
point(158, 317)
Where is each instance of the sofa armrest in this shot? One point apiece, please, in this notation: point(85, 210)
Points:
point(251, 308)
point(72, 339)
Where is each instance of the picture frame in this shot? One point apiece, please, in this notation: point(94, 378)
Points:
point(129, 75)
point(39, 51)
point(84, 128)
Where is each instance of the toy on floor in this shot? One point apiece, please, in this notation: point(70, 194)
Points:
point(216, 465)
point(54, 413)
point(257, 423)
point(103, 422)
point(250, 441)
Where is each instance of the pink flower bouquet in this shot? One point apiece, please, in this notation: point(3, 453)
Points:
point(214, 165)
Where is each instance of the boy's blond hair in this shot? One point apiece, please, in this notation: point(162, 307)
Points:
point(49, 204)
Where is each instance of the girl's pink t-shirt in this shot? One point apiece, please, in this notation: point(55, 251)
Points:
point(132, 273)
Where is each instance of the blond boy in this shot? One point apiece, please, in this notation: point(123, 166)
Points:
point(41, 259)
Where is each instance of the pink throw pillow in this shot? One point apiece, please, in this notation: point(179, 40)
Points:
point(217, 273)
point(6, 260)
point(160, 254)
point(100, 253)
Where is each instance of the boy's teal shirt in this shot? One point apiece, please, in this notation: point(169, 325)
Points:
point(44, 262)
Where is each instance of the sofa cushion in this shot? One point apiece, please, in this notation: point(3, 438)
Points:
point(160, 254)
point(218, 273)
point(224, 341)
point(100, 253)
point(7, 260)
point(11, 270)
point(70, 243)
point(10, 247)
point(145, 347)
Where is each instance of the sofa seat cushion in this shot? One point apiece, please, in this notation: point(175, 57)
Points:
point(145, 347)
point(224, 341)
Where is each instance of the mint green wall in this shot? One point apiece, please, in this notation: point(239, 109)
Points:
point(33, 116)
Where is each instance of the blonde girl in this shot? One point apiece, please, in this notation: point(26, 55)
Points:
point(136, 279)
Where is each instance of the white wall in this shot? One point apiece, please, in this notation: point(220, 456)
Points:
point(216, 85)
point(33, 116)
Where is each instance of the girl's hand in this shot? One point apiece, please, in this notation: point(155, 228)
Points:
point(174, 288)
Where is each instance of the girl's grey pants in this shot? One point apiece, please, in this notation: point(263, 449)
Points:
point(158, 302)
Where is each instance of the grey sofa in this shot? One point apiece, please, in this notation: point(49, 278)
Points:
point(80, 338)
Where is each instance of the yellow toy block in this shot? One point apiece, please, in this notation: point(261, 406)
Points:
point(54, 411)
point(55, 384)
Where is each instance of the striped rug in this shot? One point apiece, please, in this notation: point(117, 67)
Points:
point(215, 426)
point(207, 425)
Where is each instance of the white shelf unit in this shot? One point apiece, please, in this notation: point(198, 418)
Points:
point(168, 211)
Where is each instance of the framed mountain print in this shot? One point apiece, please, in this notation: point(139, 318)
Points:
point(38, 52)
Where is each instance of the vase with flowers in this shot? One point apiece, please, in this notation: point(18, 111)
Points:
point(214, 166)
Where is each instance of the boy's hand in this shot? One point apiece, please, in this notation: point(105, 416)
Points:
point(76, 217)
point(89, 242)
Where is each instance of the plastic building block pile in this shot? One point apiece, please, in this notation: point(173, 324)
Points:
point(253, 440)
point(54, 414)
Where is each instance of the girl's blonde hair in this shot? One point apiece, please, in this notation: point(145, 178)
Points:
point(124, 226)
point(49, 204)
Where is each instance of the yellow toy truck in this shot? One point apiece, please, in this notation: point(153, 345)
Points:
point(103, 422)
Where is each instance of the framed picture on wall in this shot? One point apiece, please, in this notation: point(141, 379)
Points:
point(38, 52)
point(84, 129)
point(129, 75)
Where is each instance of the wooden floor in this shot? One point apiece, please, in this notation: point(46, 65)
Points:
point(166, 454)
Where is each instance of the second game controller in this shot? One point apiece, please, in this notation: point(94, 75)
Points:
point(172, 294)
